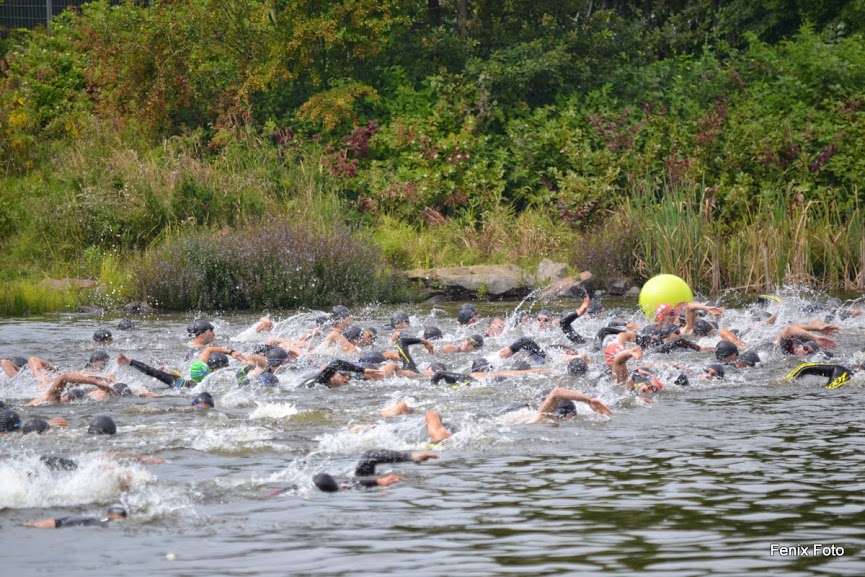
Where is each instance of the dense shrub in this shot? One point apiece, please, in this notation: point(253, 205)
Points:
point(274, 265)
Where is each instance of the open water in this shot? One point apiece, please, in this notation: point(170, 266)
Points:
point(712, 479)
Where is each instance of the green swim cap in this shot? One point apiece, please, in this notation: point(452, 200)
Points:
point(198, 370)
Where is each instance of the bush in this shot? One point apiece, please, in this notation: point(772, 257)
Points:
point(276, 265)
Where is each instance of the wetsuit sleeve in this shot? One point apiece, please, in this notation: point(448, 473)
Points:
point(607, 331)
point(335, 366)
point(450, 377)
point(529, 345)
point(367, 483)
point(569, 331)
point(675, 345)
point(402, 346)
point(78, 522)
point(368, 461)
point(162, 376)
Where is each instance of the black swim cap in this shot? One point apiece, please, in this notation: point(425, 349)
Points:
point(339, 312)
point(682, 380)
point(122, 389)
point(481, 365)
point(325, 483)
point(724, 349)
point(117, 510)
point(204, 400)
point(465, 316)
point(217, 360)
point(98, 357)
point(578, 367)
point(276, 356)
point(17, 361)
point(477, 341)
point(521, 365)
point(703, 327)
point(352, 333)
point(374, 358)
point(75, 394)
point(399, 317)
point(35, 425)
point(432, 333)
point(719, 369)
point(125, 325)
point(102, 335)
point(749, 358)
point(102, 425)
point(199, 327)
point(9, 421)
point(437, 366)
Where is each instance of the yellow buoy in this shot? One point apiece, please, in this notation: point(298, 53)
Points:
point(664, 289)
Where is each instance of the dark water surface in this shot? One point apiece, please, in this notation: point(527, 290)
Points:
point(705, 481)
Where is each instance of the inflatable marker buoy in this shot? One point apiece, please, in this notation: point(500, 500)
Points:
point(664, 289)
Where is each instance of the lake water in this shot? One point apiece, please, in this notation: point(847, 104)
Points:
point(710, 479)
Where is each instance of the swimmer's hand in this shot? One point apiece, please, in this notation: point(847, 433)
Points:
point(123, 359)
point(598, 406)
point(506, 352)
point(428, 346)
point(825, 342)
point(59, 422)
point(264, 325)
point(421, 456)
point(389, 480)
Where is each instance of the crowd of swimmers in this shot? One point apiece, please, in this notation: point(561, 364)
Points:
point(337, 352)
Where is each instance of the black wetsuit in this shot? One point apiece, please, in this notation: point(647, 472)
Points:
point(335, 366)
point(836, 375)
point(80, 522)
point(169, 379)
point(402, 346)
point(529, 345)
point(452, 378)
point(569, 331)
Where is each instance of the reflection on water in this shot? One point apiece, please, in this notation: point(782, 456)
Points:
point(702, 482)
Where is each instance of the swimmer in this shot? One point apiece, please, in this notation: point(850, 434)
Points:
point(114, 513)
point(339, 373)
point(551, 402)
point(202, 333)
point(366, 468)
point(55, 394)
point(496, 327)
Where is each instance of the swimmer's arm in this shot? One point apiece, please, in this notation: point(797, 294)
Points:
point(620, 363)
point(41, 524)
point(369, 460)
point(8, 368)
point(257, 360)
point(336, 337)
point(691, 314)
point(449, 348)
point(729, 335)
point(562, 394)
point(205, 354)
point(820, 327)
